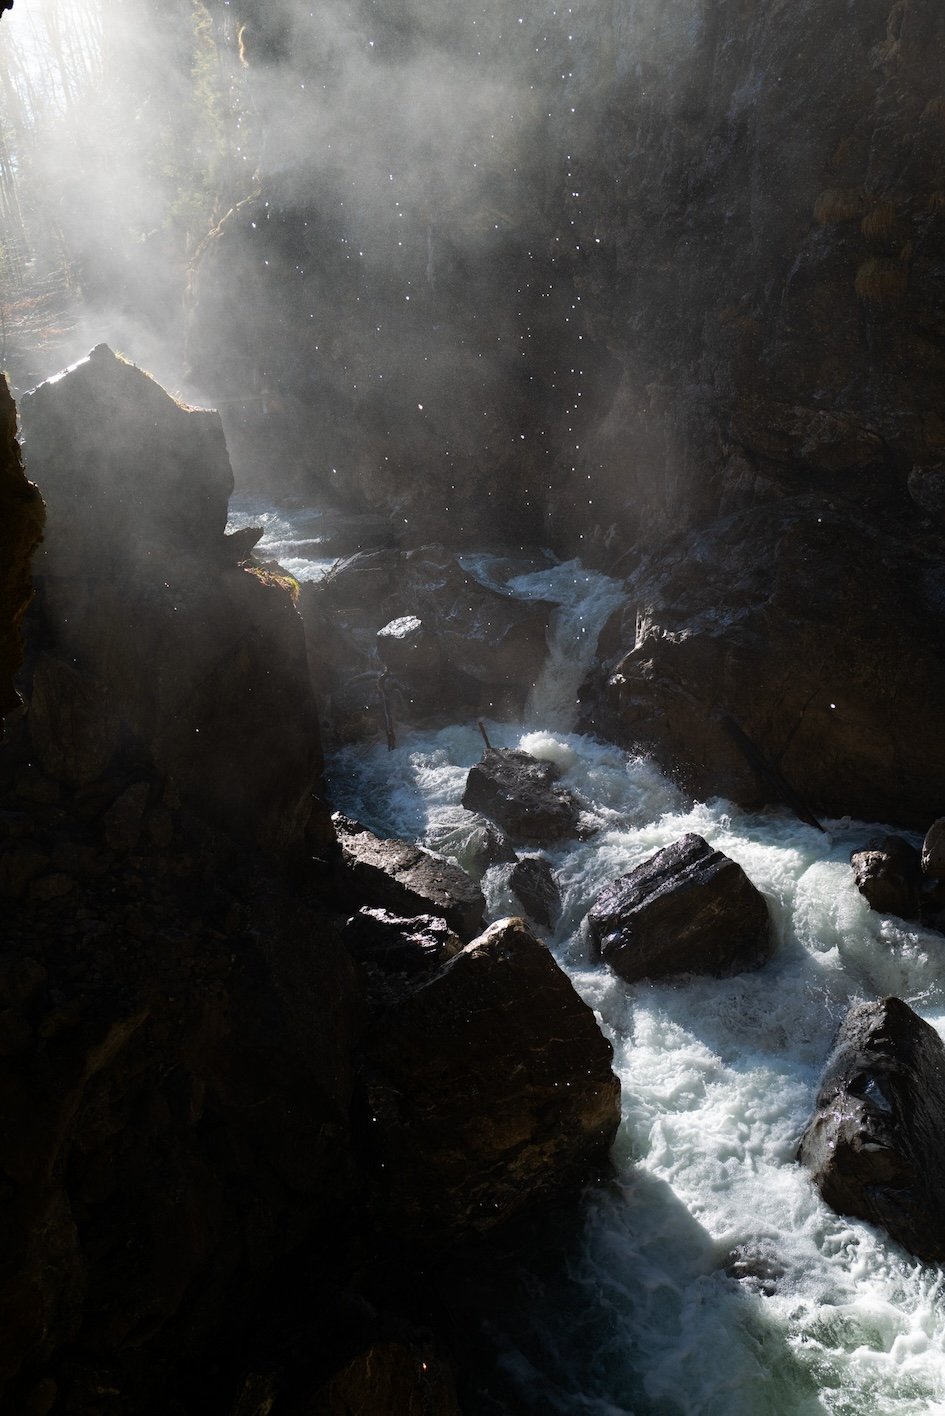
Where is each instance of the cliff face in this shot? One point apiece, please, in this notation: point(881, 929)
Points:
point(662, 259)
point(21, 526)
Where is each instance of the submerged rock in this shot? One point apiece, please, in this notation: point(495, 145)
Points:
point(405, 878)
point(533, 884)
point(888, 875)
point(517, 792)
point(489, 1088)
point(688, 909)
point(875, 1146)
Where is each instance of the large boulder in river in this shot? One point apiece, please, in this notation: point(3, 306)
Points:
point(875, 1146)
point(21, 525)
point(518, 792)
point(533, 884)
point(155, 637)
point(687, 909)
point(487, 1089)
point(813, 627)
point(406, 879)
point(888, 875)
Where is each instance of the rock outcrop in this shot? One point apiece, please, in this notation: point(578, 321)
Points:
point(875, 1146)
point(687, 909)
point(21, 526)
point(813, 628)
point(406, 879)
point(398, 637)
point(485, 1088)
point(518, 792)
point(148, 630)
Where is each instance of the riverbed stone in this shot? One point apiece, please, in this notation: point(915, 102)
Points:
point(533, 883)
point(405, 878)
point(888, 875)
point(875, 1146)
point(933, 850)
point(686, 909)
point(489, 1089)
point(518, 792)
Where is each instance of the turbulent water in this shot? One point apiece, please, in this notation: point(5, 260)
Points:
point(709, 1277)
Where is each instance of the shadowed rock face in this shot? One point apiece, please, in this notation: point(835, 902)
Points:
point(819, 630)
point(21, 526)
point(875, 1145)
point(487, 1087)
point(688, 909)
point(152, 632)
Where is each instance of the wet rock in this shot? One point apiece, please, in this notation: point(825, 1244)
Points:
point(489, 847)
point(875, 1146)
point(489, 1088)
point(927, 489)
point(687, 909)
point(533, 884)
point(888, 875)
point(396, 944)
point(51, 887)
point(407, 879)
point(933, 850)
point(518, 792)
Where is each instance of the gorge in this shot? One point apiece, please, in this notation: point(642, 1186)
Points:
point(581, 369)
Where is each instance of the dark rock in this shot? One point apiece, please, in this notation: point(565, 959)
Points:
point(533, 883)
point(933, 850)
point(395, 944)
point(390, 1379)
point(888, 875)
point(488, 1089)
point(21, 526)
point(407, 879)
point(517, 791)
point(123, 821)
point(687, 909)
point(489, 847)
point(238, 545)
point(157, 639)
point(18, 866)
point(815, 628)
point(876, 1144)
point(51, 887)
point(927, 490)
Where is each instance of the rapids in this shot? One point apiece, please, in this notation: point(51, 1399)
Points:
point(708, 1279)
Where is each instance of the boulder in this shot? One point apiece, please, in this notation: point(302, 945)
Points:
point(21, 526)
point(687, 909)
point(488, 1089)
point(518, 792)
point(815, 628)
point(533, 884)
point(488, 847)
point(406, 879)
point(888, 875)
point(395, 944)
point(875, 1146)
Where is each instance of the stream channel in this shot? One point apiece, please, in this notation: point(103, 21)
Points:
point(708, 1279)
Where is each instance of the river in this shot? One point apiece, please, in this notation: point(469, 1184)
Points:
point(709, 1279)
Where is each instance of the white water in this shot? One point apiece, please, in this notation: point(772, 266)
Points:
point(710, 1279)
point(293, 539)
